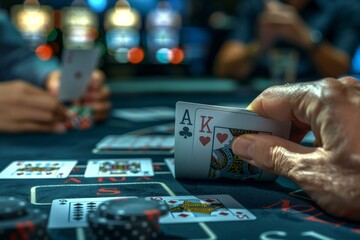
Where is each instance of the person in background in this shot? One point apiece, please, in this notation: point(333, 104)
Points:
point(327, 172)
point(28, 88)
point(324, 34)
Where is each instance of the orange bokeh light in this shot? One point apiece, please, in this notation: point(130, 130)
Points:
point(176, 56)
point(136, 55)
point(44, 52)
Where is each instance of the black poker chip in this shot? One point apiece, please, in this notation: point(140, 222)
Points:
point(130, 218)
point(12, 208)
point(17, 221)
point(103, 228)
point(132, 209)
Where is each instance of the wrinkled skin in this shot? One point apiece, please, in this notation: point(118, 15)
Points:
point(329, 172)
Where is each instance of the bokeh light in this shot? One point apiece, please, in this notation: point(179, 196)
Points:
point(44, 52)
point(97, 5)
point(176, 56)
point(136, 55)
point(121, 55)
point(162, 55)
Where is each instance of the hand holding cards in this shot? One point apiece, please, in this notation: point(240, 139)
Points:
point(203, 137)
point(77, 66)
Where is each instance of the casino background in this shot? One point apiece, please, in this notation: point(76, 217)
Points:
point(197, 35)
point(152, 75)
point(181, 44)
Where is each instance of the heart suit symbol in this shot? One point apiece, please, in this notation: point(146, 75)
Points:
point(204, 140)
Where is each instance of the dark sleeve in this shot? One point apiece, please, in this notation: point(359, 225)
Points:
point(347, 27)
point(16, 60)
point(246, 20)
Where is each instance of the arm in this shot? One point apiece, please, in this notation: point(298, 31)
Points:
point(239, 54)
point(236, 59)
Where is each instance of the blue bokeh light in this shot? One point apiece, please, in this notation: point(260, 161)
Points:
point(97, 5)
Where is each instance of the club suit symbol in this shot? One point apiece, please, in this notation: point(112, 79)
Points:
point(185, 132)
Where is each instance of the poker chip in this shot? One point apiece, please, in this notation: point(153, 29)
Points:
point(79, 117)
point(132, 209)
point(17, 221)
point(127, 219)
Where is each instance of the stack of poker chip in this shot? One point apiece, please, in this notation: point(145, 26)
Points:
point(19, 222)
point(79, 117)
point(131, 218)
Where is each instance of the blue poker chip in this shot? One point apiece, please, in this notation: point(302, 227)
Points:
point(132, 209)
point(18, 222)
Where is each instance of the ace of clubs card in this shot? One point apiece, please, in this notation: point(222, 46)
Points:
point(203, 137)
point(76, 70)
point(38, 169)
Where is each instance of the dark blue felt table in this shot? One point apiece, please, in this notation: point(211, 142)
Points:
point(282, 211)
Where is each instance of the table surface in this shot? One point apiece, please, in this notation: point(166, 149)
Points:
point(283, 211)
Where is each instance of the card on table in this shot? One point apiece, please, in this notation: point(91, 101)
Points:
point(203, 137)
point(136, 144)
point(119, 168)
point(170, 162)
point(145, 114)
point(203, 208)
point(71, 212)
point(76, 70)
point(38, 169)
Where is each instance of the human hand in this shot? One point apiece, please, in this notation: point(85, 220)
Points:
point(282, 21)
point(328, 172)
point(25, 108)
point(96, 95)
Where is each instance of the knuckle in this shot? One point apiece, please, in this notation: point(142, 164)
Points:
point(282, 165)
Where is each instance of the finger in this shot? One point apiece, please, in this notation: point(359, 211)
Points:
point(349, 80)
point(33, 114)
point(32, 126)
point(39, 100)
point(271, 153)
point(99, 95)
point(101, 110)
point(97, 80)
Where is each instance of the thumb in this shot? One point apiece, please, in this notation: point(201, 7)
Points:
point(270, 153)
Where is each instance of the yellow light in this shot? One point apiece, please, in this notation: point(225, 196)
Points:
point(122, 16)
point(32, 18)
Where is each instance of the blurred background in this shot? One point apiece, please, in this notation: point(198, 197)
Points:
point(151, 37)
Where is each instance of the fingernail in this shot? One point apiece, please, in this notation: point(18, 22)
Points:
point(243, 147)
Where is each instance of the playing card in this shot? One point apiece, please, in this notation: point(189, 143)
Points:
point(146, 114)
point(170, 162)
point(204, 208)
point(71, 212)
point(203, 137)
point(136, 144)
point(38, 169)
point(77, 66)
point(119, 168)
